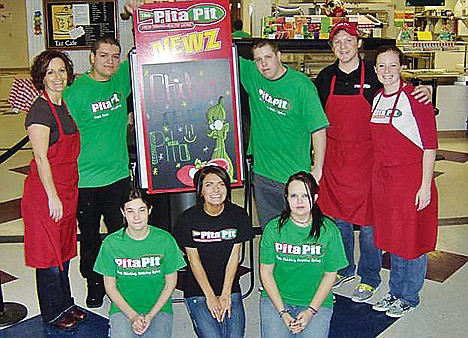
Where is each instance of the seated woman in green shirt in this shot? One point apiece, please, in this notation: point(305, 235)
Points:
point(300, 252)
point(139, 264)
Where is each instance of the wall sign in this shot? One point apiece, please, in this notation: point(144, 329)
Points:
point(185, 93)
point(78, 24)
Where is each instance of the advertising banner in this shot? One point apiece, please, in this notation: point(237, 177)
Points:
point(185, 93)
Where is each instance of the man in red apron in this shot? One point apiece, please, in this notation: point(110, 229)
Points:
point(346, 89)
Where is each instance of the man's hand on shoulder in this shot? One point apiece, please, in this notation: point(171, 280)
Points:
point(423, 94)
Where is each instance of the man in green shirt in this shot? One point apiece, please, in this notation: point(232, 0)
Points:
point(237, 32)
point(97, 100)
point(286, 115)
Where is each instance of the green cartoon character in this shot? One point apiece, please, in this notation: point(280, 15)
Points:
point(219, 128)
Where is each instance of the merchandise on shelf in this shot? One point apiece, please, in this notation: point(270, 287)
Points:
point(446, 34)
point(314, 26)
point(335, 8)
point(413, 46)
point(406, 34)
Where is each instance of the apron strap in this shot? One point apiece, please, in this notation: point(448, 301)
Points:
point(380, 95)
point(54, 112)
point(400, 89)
point(361, 83)
point(332, 85)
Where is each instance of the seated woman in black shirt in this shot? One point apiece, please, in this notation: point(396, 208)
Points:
point(211, 234)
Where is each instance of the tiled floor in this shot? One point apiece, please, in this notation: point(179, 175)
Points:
point(444, 305)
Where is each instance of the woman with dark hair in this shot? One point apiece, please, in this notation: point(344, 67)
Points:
point(211, 234)
point(404, 194)
point(139, 263)
point(300, 252)
point(50, 193)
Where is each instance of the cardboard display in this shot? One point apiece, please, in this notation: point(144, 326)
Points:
point(186, 93)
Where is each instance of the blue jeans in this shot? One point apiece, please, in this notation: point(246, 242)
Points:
point(269, 198)
point(206, 326)
point(272, 326)
point(370, 258)
point(53, 291)
point(160, 326)
point(407, 278)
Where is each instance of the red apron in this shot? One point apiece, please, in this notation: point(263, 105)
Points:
point(345, 185)
point(46, 242)
point(397, 174)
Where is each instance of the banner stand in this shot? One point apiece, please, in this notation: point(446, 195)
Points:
point(11, 313)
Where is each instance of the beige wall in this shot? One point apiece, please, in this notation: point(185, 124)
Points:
point(13, 35)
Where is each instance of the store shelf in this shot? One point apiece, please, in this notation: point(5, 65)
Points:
point(435, 59)
point(310, 56)
point(427, 46)
point(315, 26)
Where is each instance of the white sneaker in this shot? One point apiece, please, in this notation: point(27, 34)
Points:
point(399, 309)
point(385, 303)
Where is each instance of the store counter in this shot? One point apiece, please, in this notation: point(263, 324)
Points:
point(450, 96)
point(441, 76)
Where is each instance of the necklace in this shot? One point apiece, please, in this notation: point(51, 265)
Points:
point(306, 222)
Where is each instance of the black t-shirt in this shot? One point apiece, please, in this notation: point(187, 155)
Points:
point(214, 237)
point(40, 113)
point(347, 84)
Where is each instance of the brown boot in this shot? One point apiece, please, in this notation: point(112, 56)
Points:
point(65, 322)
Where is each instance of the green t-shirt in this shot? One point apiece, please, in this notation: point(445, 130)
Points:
point(284, 113)
point(300, 263)
point(140, 267)
point(240, 35)
point(99, 109)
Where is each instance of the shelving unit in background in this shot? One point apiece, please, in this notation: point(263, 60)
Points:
point(444, 56)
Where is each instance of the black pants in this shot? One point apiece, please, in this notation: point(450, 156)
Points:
point(53, 291)
point(92, 204)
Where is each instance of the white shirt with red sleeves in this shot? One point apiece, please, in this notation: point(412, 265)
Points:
point(414, 120)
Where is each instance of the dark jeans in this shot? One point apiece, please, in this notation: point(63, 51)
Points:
point(92, 204)
point(53, 291)
point(269, 198)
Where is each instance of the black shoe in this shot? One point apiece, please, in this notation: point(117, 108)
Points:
point(95, 294)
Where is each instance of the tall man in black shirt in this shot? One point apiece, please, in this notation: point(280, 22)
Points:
point(346, 89)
